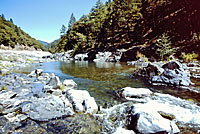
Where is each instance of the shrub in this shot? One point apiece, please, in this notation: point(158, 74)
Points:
point(189, 57)
point(3, 87)
point(141, 56)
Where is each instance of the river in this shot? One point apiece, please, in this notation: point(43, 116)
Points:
point(102, 78)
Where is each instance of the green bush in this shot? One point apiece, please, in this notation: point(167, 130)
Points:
point(189, 57)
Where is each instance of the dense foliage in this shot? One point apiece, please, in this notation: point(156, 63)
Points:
point(132, 23)
point(10, 35)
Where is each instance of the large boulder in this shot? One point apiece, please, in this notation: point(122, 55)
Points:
point(82, 101)
point(172, 73)
point(49, 107)
point(147, 121)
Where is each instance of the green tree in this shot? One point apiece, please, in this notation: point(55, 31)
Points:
point(164, 46)
point(98, 6)
point(71, 21)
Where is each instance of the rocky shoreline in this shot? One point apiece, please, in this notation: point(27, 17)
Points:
point(41, 103)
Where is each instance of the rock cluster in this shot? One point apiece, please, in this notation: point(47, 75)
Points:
point(147, 112)
point(90, 56)
point(41, 97)
point(15, 60)
point(172, 74)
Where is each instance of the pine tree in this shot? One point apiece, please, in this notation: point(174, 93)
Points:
point(3, 16)
point(71, 21)
point(164, 46)
point(99, 5)
point(63, 30)
point(11, 20)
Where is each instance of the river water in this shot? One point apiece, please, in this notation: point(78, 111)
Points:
point(102, 78)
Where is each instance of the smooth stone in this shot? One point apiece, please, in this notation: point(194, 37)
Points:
point(129, 92)
point(69, 84)
point(57, 92)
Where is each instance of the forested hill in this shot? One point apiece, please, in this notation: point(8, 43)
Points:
point(11, 35)
point(131, 24)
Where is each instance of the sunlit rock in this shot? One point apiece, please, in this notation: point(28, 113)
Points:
point(129, 92)
point(69, 84)
point(146, 121)
point(121, 130)
point(43, 109)
point(82, 101)
point(54, 82)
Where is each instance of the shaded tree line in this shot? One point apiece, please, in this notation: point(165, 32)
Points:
point(129, 23)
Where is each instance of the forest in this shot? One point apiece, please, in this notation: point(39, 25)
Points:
point(165, 27)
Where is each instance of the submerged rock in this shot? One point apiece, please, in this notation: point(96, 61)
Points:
point(36, 73)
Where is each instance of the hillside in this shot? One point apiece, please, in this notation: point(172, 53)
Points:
point(136, 26)
point(11, 35)
point(52, 46)
point(43, 42)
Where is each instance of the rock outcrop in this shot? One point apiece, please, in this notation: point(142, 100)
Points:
point(172, 74)
point(41, 97)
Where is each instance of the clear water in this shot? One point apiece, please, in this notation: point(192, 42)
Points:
point(101, 79)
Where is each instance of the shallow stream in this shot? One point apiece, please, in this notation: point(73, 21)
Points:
point(101, 79)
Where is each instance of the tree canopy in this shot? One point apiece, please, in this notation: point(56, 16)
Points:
point(128, 23)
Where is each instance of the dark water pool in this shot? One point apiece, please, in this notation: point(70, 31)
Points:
point(100, 79)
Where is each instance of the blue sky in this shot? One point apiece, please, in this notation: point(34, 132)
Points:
point(42, 19)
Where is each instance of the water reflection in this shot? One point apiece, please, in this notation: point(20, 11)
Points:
point(107, 65)
point(100, 78)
